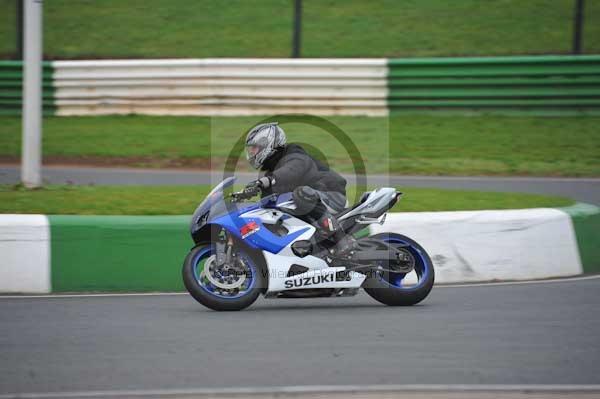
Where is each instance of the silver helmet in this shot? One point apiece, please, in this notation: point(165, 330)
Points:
point(262, 142)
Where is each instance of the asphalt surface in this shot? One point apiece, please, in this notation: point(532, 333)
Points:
point(584, 190)
point(507, 334)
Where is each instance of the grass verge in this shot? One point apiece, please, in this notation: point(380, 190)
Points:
point(400, 144)
point(182, 200)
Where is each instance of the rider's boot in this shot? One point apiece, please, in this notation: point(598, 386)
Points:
point(328, 225)
point(329, 228)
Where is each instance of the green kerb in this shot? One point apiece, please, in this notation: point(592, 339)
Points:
point(118, 253)
point(586, 222)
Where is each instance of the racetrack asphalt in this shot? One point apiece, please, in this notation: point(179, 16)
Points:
point(580, 189)
point(505, 334)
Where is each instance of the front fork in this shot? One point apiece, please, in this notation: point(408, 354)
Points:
point(224, 248)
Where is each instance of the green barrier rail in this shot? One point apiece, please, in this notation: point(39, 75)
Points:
point(536, 82)
point(11, 88)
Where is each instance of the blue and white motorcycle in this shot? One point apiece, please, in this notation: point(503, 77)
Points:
point(245, 249)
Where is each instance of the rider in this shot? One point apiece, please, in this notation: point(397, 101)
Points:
point(318, 192)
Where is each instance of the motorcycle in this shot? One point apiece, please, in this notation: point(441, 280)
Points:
point(245, 249)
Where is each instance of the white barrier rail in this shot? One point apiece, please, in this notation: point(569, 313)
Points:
point(222, 87)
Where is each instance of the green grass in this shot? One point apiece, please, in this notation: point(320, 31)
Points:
point(402, 144)
point(178, 200)
point(411, 28)
point(331, 28)
point(114, 137)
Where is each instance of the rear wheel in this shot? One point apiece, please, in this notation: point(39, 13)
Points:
point(398, 288)
point(227, 287)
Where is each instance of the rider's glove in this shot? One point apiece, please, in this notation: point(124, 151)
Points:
point(251, 190)
point(256, 186)
point(262, 183)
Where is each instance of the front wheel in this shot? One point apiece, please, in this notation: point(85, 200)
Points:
point(402, 289)
point(233, 287)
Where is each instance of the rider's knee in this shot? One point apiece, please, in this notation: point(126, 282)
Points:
point(305, 198)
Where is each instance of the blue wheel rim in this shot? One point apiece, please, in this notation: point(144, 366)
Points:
point(423, 267)
point(198, 263)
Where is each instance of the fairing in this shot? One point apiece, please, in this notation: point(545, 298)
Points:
point(215, 210)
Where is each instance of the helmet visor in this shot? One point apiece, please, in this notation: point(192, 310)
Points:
point(253, 155)
point(252, 150)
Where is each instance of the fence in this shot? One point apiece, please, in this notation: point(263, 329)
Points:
point(316, 86)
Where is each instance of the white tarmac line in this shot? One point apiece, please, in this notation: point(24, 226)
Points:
point(546, 281)
point(315, 389)
point(109, 295)
point(142, 294)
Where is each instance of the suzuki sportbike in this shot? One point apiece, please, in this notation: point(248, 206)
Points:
point(245, 249)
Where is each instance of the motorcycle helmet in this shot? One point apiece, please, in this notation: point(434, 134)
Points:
point(263, 141)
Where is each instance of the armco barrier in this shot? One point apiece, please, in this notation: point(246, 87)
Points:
point(11, 88)
point(145, 253)
point(222, 86)
point(371, 87)
point(535, 82)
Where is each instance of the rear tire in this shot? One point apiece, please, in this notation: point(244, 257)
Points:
point(213, 300)
point(389, 294)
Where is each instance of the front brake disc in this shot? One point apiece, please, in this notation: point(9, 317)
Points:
point(222, 277)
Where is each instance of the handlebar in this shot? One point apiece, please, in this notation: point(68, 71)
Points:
point(244, 194)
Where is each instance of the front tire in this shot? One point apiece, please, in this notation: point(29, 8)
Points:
point(384, 287)
point(210, 296)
